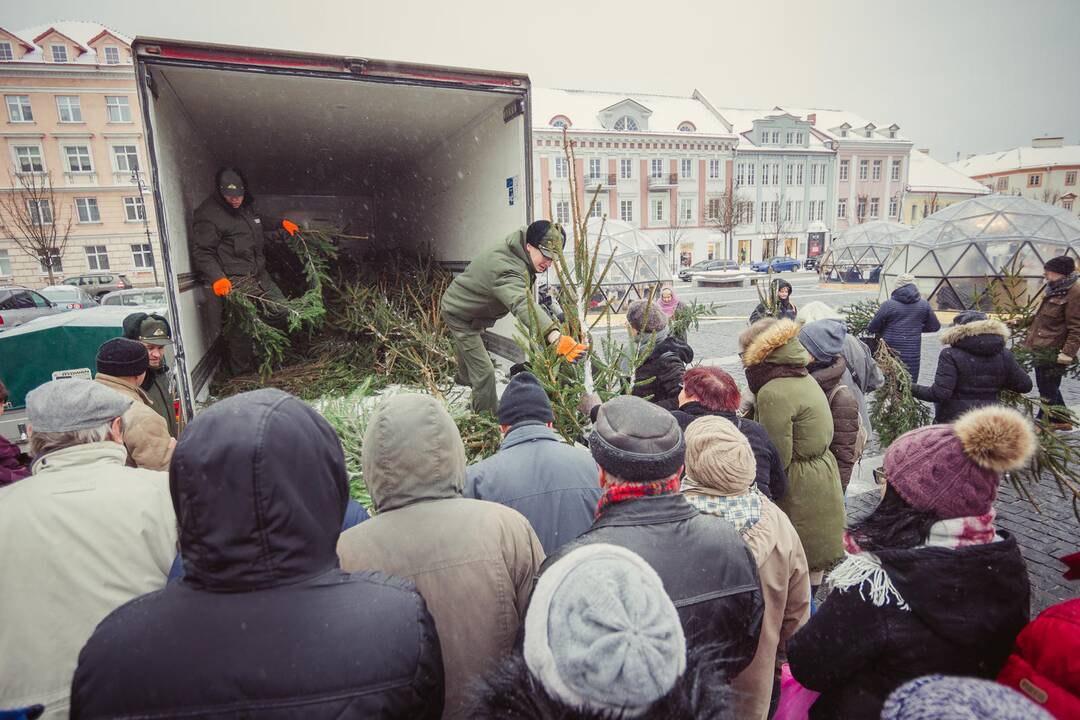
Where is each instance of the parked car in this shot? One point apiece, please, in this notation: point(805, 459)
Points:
point(781, 263)
point(97, 284)
point(706, 265)
point(68, 297)
point(812, 262)
point(19, 304)
point(153, 296)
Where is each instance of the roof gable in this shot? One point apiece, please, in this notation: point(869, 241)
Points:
point(4, 33)
point(627, 104)
point(54, 31)
point(105, 34)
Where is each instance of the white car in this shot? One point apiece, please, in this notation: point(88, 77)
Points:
point(136, 297)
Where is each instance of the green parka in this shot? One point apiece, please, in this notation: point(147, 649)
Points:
point(156, 386)
point(496, 282)
point(796, 414)
point(229, 243)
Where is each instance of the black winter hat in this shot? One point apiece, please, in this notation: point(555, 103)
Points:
point(969, 316)
point(121, 357)
point(524, 400)
point(1062, 265)
point(636, 441)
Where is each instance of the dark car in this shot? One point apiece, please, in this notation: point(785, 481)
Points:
point(812, 263)
point(781, 263)
point(707, 265)
point(19, 304)
point(97, 284)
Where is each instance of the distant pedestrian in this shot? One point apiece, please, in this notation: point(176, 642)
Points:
point(709, 390)
point(669, 302)
point(1043, 662)
point(153, 331)
point(659, 377)
point(973, 368)
point(902, 319)
point(929, 584)
point(264, 622)
point(940, 697)
point(554, 485)
point(14, 463)
point(785, 309)
point(473, 561)
point(1054, 335)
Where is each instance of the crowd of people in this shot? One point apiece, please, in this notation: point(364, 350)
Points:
point(692, 559)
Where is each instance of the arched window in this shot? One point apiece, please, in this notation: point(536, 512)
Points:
point(560, 121)
point(626, 123)
point(687, 126)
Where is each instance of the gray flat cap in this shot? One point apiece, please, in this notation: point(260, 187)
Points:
point(73, 404)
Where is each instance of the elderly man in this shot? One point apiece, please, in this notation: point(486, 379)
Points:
point(153, 331)
point(81, 536)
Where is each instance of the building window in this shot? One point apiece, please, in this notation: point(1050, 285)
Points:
point(714, 170)
point(798, 174)
point(18, 107)
point(626, 210)
point(6, 55)
point(712, 209)
point(775, 137)
point(1003, 182)
point(686, 210)
point(560, 168)
point(765, 173)
point(126, 158)
point(594, 168)
point(799, 138)
point(844, 169)
point(864, 169)
point(112, 55)
point(789, 174)
point(860, 208)
point(560, 121)
point(656, 168)
point(143, 256)
point(626, 168)
point(657, 210)
point(686, 168)
point(764, 212)
point(135, 210)
point(1070, 177)
point(774, 211)
point(562, 211)
point(896, 167)
point(841, 208)
point(78, 158)
point(874, 207)
point(59, 53)
point(97, 257)
point(69, 108)
point(1067, 203)
point(117, 108)
point(869, 133)
point(776, 174)
point(813, 173)
point(28, 158)
point(687, 127)
point(597, 208)
point(877, 170)
point(626, 123)
point(5, 264)
point(892, 134)
point(40, 212)
point(788, 209)
point(740, 174)
point(894, 207)
point(1034, 180)
point(914, 212)
point(52, 259)
point(87, 210)
point(798, 210)
point(751, 169)
point(843, 133)
point(764, 137)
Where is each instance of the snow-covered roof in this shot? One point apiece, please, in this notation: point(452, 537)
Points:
point(742, 120)
point(829, 122)
point(79, 32)
point(927, 175)
point(583, 108)
point(1018, 158)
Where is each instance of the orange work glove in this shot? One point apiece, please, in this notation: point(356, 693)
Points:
point(570, 348)
point(222, 287)
point(290, 226)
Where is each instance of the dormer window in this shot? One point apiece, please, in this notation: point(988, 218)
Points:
point(6, 54)
point(687, 126)
point(626, 123)
point(112, 55)
point(869, 133)
point(59, 53)
point(843, 133)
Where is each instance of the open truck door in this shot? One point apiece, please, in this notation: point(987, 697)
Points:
point(409, 156)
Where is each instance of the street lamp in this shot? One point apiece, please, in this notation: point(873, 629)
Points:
point(136, 177)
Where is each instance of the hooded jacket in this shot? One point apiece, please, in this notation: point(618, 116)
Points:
point(962, 610)
point(863, 374)
point(659, 378)
point(901, 320)
point(1056, 325)
point(786, 309)
point(1044, 665)
point(227, 242)
point(264, 622)
point(796, 414)
point(770, 477)
point(146, 436)
point(473, 560)
point(845, 414)
point(972, 370)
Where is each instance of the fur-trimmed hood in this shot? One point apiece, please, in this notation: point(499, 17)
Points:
point(776, 342)
point(955, 333)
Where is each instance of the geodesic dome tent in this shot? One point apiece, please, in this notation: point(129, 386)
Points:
point(858, 253)
point(959, 255)
point(638, 266)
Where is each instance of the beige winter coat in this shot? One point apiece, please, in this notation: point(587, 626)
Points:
point(146, 434)
point(785, 583)
point(472, 560)
point(80, 537)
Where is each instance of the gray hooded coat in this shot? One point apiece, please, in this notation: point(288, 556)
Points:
point(472, 560)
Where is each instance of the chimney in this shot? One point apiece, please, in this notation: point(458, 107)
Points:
point(1047, 142)
point(812, 118)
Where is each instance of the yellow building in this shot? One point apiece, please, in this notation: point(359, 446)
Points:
point(71, 122)
point(933, 186)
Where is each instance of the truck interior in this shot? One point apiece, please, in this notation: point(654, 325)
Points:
point(404, 161)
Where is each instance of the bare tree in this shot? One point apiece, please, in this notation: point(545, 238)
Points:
point(726, 215)
point(30, 217)
point(674, 235)
point(860, 207)
point(776, 225)
point(1051, 197)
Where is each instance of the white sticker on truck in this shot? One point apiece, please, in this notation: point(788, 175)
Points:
point(78, 373)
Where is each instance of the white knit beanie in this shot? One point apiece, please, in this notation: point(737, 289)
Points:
point(718, 456)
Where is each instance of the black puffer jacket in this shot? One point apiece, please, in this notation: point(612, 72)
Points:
point(708, 571)
point(901, 320)
point(964, 608)
point(771, 478)
point(973, 370)
point(659, 378)
point(264, 622)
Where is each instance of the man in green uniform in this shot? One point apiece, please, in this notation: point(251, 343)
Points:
point(228, 249)
point(498, 282)
point(153, 331)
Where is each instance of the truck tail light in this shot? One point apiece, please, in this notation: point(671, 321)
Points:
point(120, 284)
point(1, 319)
point(176, 410)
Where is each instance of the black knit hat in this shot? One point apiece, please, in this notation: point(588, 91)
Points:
point(121, 357)
point(1062, 265)
point(524, 400)
point(636, 441)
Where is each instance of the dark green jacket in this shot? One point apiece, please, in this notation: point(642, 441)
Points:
point(495, 283)
point(156, 386)
point(227, 242)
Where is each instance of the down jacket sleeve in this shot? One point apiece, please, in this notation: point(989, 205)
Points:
point(931, 322)
point(512, 290)
point(204, 248)
point(1016, 378)
point(776, 415)
point(877, 323)
point(846, 423)
point(838, 642)
point(945, 378)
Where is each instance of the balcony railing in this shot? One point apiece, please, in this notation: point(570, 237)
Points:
point(663, 182)
point(122, 177)
point(80, 178)
point(601, 180)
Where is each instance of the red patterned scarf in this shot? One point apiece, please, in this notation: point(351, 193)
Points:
point(618, 492)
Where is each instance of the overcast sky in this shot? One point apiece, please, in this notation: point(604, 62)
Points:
point(957, 75)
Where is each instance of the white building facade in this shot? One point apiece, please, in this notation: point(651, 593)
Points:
point(1046, 171)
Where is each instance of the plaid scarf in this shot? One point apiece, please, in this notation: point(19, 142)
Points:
point(742, 511)
point(619, 492)
point(1060, 287)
